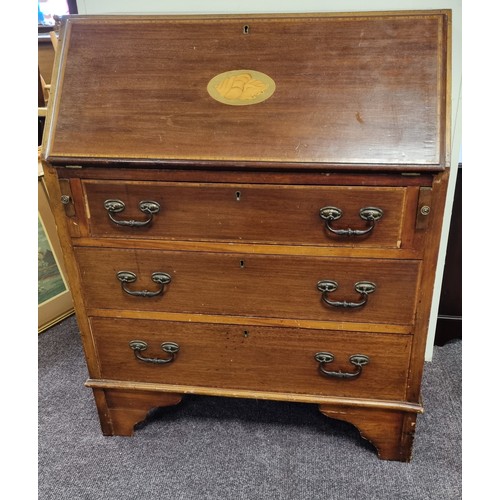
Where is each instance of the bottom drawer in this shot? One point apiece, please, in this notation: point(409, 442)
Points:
point(254, 358)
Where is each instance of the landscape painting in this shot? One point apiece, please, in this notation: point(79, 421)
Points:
point(50, 280)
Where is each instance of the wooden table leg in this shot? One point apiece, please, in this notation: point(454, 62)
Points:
point(119, 411)
point(390, 431)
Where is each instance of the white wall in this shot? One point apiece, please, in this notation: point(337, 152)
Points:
point(263, 6)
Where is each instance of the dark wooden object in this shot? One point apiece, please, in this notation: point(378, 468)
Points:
point(152, 171)
point(449, 321)
point(41, 104)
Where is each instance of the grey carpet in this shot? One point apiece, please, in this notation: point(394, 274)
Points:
point(218, 448)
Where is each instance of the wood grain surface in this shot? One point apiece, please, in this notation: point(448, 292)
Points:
point(248, 213)
point(249, 285)
point(349, 90)
point(259, 358)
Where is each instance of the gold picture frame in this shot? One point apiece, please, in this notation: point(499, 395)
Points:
point(55, 302)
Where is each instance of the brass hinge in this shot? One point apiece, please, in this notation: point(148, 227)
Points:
point(424, 208)
point(66, 198)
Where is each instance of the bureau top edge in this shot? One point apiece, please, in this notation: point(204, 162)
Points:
point(255, 15)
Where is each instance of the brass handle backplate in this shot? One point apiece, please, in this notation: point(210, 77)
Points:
point(138, 346)
point(150, 208)
point(368, 214)
point(125, 277)
point(358, 360)
point(362, 287)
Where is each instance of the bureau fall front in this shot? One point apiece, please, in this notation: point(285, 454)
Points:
point(250, 206)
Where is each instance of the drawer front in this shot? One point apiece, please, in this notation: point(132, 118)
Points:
point(248, 284)
point(254, 358)
point(246, 213)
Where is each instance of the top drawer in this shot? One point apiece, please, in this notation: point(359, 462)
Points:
point(274, 214)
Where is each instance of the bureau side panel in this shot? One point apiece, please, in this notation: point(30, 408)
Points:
point(74, 278)
point(427, 286)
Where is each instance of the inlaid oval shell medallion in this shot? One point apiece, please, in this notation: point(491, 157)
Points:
point(241, 87)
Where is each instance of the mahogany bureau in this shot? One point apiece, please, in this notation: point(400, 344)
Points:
point(251, 206)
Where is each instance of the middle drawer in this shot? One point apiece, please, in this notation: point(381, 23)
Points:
point(276, 286)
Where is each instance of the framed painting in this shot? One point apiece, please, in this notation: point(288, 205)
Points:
point(54, 297)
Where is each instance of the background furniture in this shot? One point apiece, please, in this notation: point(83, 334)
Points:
point(449, 324)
